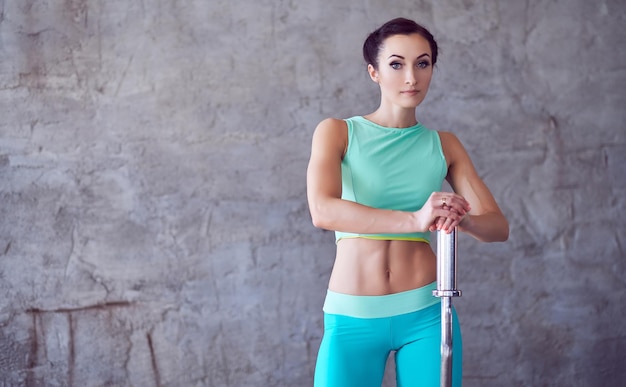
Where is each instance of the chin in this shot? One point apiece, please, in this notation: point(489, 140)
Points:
point(413, 103)
point(410, 105)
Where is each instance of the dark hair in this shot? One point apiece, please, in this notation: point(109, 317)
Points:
point(398, 26)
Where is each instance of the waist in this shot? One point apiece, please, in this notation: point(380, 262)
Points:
point(378, 267)
point(380, 306)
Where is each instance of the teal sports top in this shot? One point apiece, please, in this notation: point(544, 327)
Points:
point(391, 168)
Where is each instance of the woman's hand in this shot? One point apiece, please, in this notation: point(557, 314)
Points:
point(443, 211)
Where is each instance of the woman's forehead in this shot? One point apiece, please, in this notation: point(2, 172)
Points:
point(413, 44)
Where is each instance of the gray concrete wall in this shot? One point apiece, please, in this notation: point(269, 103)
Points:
point(153, 219)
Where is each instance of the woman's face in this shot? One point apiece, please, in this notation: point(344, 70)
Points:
point(404, 70)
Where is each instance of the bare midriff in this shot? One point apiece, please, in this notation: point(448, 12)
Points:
point(369, 267)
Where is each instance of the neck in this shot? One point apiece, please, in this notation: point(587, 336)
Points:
point(393, 118)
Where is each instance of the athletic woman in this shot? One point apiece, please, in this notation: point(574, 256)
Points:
point(376, 181)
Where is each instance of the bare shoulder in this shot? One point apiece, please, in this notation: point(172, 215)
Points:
point(452, 148)
point(449, 139)
point(331, 133)
point(333, 125)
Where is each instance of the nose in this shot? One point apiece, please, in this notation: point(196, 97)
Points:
point(411, 79)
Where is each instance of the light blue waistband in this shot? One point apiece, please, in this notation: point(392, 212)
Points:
point(380, 306)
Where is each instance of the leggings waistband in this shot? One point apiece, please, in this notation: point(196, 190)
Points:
point(380, 306)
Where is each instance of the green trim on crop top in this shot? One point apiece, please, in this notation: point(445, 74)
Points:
point(391, 168)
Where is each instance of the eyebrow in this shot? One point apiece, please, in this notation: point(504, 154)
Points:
point(401, 57)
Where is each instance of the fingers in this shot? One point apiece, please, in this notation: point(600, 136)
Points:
point(447, 210)
point(451, 201)
point(453, 208)
point(448, 222)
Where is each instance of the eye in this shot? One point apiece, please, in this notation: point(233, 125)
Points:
point(395, 65)
point(423, 64)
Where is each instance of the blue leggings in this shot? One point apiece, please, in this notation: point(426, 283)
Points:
point(354, 350)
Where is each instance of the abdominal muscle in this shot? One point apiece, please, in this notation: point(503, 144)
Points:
point(369, 267)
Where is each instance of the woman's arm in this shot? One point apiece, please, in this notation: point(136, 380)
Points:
point(329, 211)
point(485, 221)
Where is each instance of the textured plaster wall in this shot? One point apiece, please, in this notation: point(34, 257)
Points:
point(153, 221)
